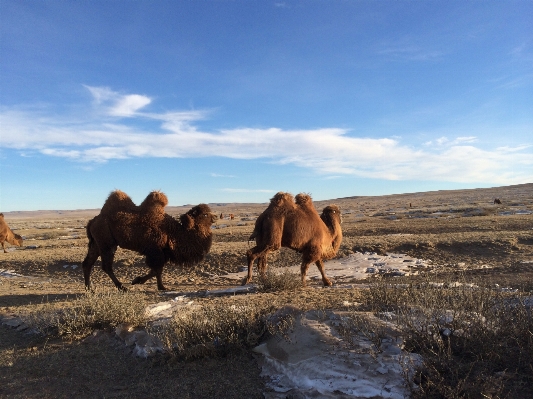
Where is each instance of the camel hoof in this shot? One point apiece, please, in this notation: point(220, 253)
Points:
point(136, 280)
point(245, 281)
point(122, 289)
point(327, 283)
point(162, 288)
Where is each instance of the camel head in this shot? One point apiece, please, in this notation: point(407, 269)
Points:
point(200, 217)
point(330, 214)
point(17, 240)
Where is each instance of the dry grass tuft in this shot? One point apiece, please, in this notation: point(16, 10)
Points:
point(215, 329)
point(275, 281)
point(97, 309)
point(475, 342)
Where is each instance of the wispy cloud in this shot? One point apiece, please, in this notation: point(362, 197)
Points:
point(327, 151)
point(445, 141)
point(245, 190)
point(116, 104)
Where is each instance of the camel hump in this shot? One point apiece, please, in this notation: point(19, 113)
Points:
point(154, 200)
point(303, 199)
point(117, 200)
point(281, 199)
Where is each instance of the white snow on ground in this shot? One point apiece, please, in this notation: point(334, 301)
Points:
point(9, 273)
point(357, 266)
point(312, 361)
point(316, 363)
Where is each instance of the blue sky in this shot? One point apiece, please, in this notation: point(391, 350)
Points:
point(232, 101)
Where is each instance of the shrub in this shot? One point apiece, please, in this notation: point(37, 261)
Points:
point(475, 342)
point(275, 281)
point(97, 309)
point(214, 329)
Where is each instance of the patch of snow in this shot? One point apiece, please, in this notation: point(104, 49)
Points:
point(72, 237)
point(9, 273)
point(246, 289)
point(355, 266)
point(317, 362)
point(143, 344)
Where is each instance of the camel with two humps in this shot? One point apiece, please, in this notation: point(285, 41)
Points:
point(294, 223)
point(148, 230)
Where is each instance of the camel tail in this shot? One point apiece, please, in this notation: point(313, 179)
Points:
point(89, 235)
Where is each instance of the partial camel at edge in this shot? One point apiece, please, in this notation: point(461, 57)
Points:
point(6, 235)
point(148, 230)
point(294, 223)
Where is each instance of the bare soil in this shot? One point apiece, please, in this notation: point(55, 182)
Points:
point(463, 233)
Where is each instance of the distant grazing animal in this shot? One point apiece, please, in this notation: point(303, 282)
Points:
point(497, 201)
point(7, 235)
point(294, 223)
point(148, 230)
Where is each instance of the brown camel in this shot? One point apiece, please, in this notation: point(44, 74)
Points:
point(148, 230)
point(295, 223)
point(6, 235)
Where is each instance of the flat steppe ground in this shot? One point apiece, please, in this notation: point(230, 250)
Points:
point(462, 233)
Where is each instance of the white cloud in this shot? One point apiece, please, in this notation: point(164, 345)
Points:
point(327, 151)
point(128, 105)
point(117, 104)
point(469, 139)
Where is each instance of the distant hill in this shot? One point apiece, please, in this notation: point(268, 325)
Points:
point(509, 195)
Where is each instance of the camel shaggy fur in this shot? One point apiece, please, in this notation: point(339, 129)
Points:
point(148, 230)
point(6, 235)
point(294, 223)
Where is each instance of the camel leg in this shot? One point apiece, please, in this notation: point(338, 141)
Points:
point(303, 269)
point(145, 278)
point(107, 265)
point(310, 255)
point(327, 282)
point(88, 263)
point(158, 274)
point(4, 248)
point(252, 255)
point(262, 264)
point(153, 273)
point(155, 260)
